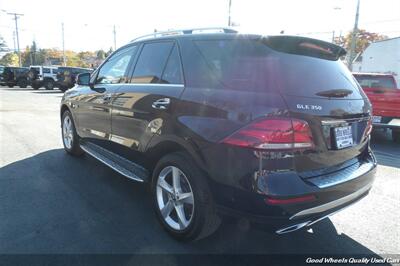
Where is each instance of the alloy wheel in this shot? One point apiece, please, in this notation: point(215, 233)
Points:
point(175, 198)
point(68, 135)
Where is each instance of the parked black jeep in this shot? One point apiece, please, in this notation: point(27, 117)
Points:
point(14, 76)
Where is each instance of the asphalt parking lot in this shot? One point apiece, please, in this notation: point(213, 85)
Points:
point(53, 203)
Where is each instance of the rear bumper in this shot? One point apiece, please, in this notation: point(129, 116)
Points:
point(291, 217)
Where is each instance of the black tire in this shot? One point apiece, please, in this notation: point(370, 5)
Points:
point(22, 83)
point(63, 89)
point(396, 135)
point(49, 84)
point(205, 220)
point(75, 148)
point(10, 86)
point(35, 87)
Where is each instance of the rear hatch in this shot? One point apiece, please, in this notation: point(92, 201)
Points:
point(315, 85)
point(383, 94)
point(318, 88)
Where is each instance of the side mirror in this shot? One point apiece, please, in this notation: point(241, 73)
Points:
point(83, 79)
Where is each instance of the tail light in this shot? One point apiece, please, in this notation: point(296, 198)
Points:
point(273, 134)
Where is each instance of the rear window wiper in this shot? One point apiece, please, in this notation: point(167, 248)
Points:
point(339, 93)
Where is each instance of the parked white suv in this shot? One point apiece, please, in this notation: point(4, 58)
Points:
point(43, 76)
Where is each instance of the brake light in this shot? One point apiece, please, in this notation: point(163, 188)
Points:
point(273, 134)
point(276, 201)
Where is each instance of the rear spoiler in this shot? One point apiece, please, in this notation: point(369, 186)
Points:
point(305, 46)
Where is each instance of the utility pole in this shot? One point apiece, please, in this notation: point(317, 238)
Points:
point(353, 39)
point(63, 44)
point(16, 17)
point(333, 36)
point(15, 44)
point(229, 14)
point(115, 38)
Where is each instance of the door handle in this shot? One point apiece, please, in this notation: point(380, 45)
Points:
point(161, 103)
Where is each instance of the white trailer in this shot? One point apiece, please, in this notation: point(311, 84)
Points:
point(381, 57)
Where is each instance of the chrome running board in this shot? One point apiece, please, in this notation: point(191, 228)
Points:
point(119, 164)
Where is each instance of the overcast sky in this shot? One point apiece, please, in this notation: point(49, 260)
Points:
point(89, 24)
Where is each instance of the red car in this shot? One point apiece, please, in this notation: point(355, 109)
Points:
point(384, 95)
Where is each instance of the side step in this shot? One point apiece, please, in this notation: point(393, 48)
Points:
point(118, 163)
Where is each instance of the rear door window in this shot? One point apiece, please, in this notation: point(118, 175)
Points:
point(151, 62)
point(250, 64)
point(173, 70)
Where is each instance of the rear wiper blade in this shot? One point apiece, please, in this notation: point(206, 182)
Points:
point(339, 93)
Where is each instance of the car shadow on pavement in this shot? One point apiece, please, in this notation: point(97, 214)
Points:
point(55, 203)
point(387, 151)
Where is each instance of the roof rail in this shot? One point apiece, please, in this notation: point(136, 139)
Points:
point(184, 32)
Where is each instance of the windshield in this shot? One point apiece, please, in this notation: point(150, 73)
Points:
point(376, 81)
point(253, 65)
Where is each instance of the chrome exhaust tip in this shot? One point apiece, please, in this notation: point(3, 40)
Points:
point(292, 228)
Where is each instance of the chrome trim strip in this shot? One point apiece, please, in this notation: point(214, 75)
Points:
point(332, 204)
point(330, 214)
point(173, 33)
point(292, 228)
point(309, 223)
point(335, 122)
point(332, 122)
point(110, 165)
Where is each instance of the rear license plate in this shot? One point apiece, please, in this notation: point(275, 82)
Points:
point(376, 119)
point(344, 137)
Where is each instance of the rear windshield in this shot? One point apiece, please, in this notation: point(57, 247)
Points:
point(249, 64)
point(375, 82)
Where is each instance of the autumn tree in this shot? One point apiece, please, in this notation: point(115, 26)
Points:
point(363, 39)
point(101, 55)
point(9, 59)
point(110, 51)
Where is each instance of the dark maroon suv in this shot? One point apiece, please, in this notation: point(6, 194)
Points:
point(273, 129)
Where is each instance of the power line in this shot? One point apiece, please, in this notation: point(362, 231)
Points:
point(381, 21)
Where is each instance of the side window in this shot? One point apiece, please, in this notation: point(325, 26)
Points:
point(114, 70)
point(46, 70)
point(173, 71)
point(151, 62)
